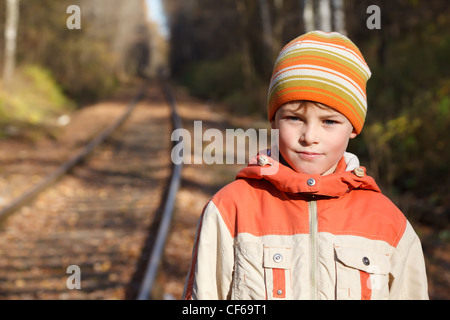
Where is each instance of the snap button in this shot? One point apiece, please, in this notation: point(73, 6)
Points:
point(311, 182)
point(359, 172)
point(277, 257)
point(366, 261)
point(263, 160)
point(280, 292)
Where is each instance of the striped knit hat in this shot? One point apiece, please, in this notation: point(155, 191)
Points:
point(323, 67)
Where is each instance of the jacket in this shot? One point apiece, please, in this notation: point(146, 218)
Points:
point(296, 236)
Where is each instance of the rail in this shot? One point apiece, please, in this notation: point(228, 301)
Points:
point(166, 217)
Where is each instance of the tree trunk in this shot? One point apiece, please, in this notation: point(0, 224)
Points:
point(338, 16)
point(12, 20)
point(266, 21)
point(308, 15)
point(247, 70)
point(324, 13)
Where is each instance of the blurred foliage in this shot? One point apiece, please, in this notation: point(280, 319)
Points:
point(219, 52)
point(405, 139)
point(58, 67)
point(204, 82)
point(89, 63)
point(34, 99)
point(203, 79)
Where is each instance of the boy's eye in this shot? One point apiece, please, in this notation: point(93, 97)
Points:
point(293, 118)
point(329, 122)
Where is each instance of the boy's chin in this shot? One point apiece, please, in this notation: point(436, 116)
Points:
point(308, 169)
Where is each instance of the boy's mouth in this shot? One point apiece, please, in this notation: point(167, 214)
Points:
point(309, 155)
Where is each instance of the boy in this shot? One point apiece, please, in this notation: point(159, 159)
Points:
point(318, 228)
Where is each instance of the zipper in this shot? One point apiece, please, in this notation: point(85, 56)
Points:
point(314, 261)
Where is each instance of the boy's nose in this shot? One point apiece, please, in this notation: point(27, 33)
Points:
point(309, 135)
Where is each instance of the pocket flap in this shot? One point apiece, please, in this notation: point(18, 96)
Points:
point(367, 261)
point(277, 257)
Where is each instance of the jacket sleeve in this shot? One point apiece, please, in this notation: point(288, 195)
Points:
point(408, 274)
point(210, 273)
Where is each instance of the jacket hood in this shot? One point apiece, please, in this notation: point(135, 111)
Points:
point(348, 176)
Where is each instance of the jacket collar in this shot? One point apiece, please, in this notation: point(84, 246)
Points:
point(348, 176)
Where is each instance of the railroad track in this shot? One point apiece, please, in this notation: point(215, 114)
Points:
point(95, 228)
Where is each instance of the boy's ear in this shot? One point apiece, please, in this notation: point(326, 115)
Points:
point(353, 134)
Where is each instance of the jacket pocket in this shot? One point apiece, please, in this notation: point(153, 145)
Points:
point(277, 272)
point(361, 274)
point(248, 277)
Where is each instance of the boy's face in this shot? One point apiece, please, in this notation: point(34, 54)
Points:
point(312, 138)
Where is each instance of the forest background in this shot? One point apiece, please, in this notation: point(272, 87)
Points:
point(223, 52)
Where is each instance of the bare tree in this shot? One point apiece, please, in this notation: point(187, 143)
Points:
point(12, 20)
point(266, 26)
point(338, 16)
point(308, 15)
point(247, 69)
point(325, 15)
